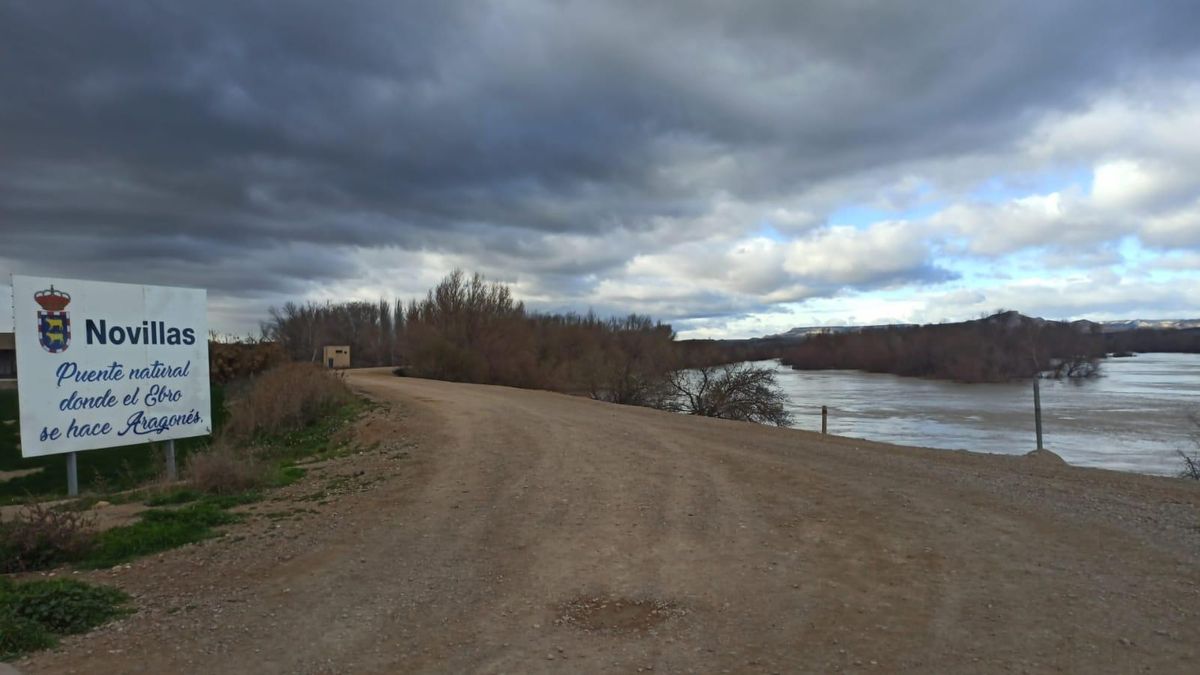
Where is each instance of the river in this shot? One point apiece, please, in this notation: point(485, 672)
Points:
point(1134, 417)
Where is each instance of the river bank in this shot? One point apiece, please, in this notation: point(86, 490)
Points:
point(1133, 417)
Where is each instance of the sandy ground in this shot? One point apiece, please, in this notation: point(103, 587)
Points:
point(497, 530)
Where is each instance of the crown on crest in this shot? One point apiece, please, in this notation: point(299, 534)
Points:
point(52, 300)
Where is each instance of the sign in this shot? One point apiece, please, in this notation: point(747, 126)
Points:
point(101, 365)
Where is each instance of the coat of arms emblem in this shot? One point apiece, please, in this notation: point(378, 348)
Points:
point(54, 322)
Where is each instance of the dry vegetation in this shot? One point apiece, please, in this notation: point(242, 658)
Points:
point(995, 349)
point(1190, 462)
point(232, 361)
point(731, 391)
point(469, 330)
point(1186, 341)
point(225, 469)
point(39, 537)
point(277, 407)
point(289, 396)
point(285, 398)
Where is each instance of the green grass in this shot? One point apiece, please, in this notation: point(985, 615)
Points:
point(230, 501)
point(157, 531)
point(286, 474)
point(174, 497)
point(102, 471)
point(34, 614)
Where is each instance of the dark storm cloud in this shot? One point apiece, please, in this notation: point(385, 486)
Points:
point(252, 145)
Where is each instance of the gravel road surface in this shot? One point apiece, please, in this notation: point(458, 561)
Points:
point(487, 529)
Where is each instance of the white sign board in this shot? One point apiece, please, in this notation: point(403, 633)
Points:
point(101, 365)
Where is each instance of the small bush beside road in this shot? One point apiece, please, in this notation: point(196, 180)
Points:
point(225, 469)
point(287, 397)
point(34, 614)
point(39, 537)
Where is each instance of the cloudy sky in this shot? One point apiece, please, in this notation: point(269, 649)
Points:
point(735, 168)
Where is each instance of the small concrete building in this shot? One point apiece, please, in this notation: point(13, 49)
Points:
point(8, 356)
point(337, 356)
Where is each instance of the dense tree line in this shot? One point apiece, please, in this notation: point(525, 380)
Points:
point(1185, 341)
point(700, 353)
point(470, 330)
point(995, 349)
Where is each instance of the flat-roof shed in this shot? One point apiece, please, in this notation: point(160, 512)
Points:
point(336, 356)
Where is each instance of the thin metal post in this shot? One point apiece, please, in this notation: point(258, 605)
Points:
point(1037, 410)
point(824, 420)
point(72, 475)
point(172, 472)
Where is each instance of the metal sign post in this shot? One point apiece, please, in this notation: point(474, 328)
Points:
point(72, 475)
point(172, 472)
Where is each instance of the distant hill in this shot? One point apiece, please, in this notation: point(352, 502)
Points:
point(1152, 324)
point(1011, 317)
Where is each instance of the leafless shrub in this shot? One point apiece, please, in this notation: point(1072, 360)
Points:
point(286, 397)
point(225, 469)
point(231, 361)
point(1191, 463)
point(1077, 367)
point(733, 391)
point(467, 329)
point(40, 537)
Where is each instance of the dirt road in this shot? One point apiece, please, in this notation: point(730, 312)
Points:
point(500, 530)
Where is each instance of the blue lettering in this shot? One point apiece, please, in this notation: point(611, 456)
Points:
point(65, 370)
point(162, 394)
point(77, 402)
point(68, 370)
point(76, 430)
point(139, 424)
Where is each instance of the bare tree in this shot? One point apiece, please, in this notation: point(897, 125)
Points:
point(471, 330)
point(732, 391)
point(1191, 463)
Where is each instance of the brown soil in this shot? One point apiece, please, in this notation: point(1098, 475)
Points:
point(615, 614)
point(488, 529)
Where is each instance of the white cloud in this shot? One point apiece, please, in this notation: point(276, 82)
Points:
point(847, 256)
point(1138, 185)
point(1179, 228)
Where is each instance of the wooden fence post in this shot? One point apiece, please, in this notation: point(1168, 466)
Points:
point(824, 420)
